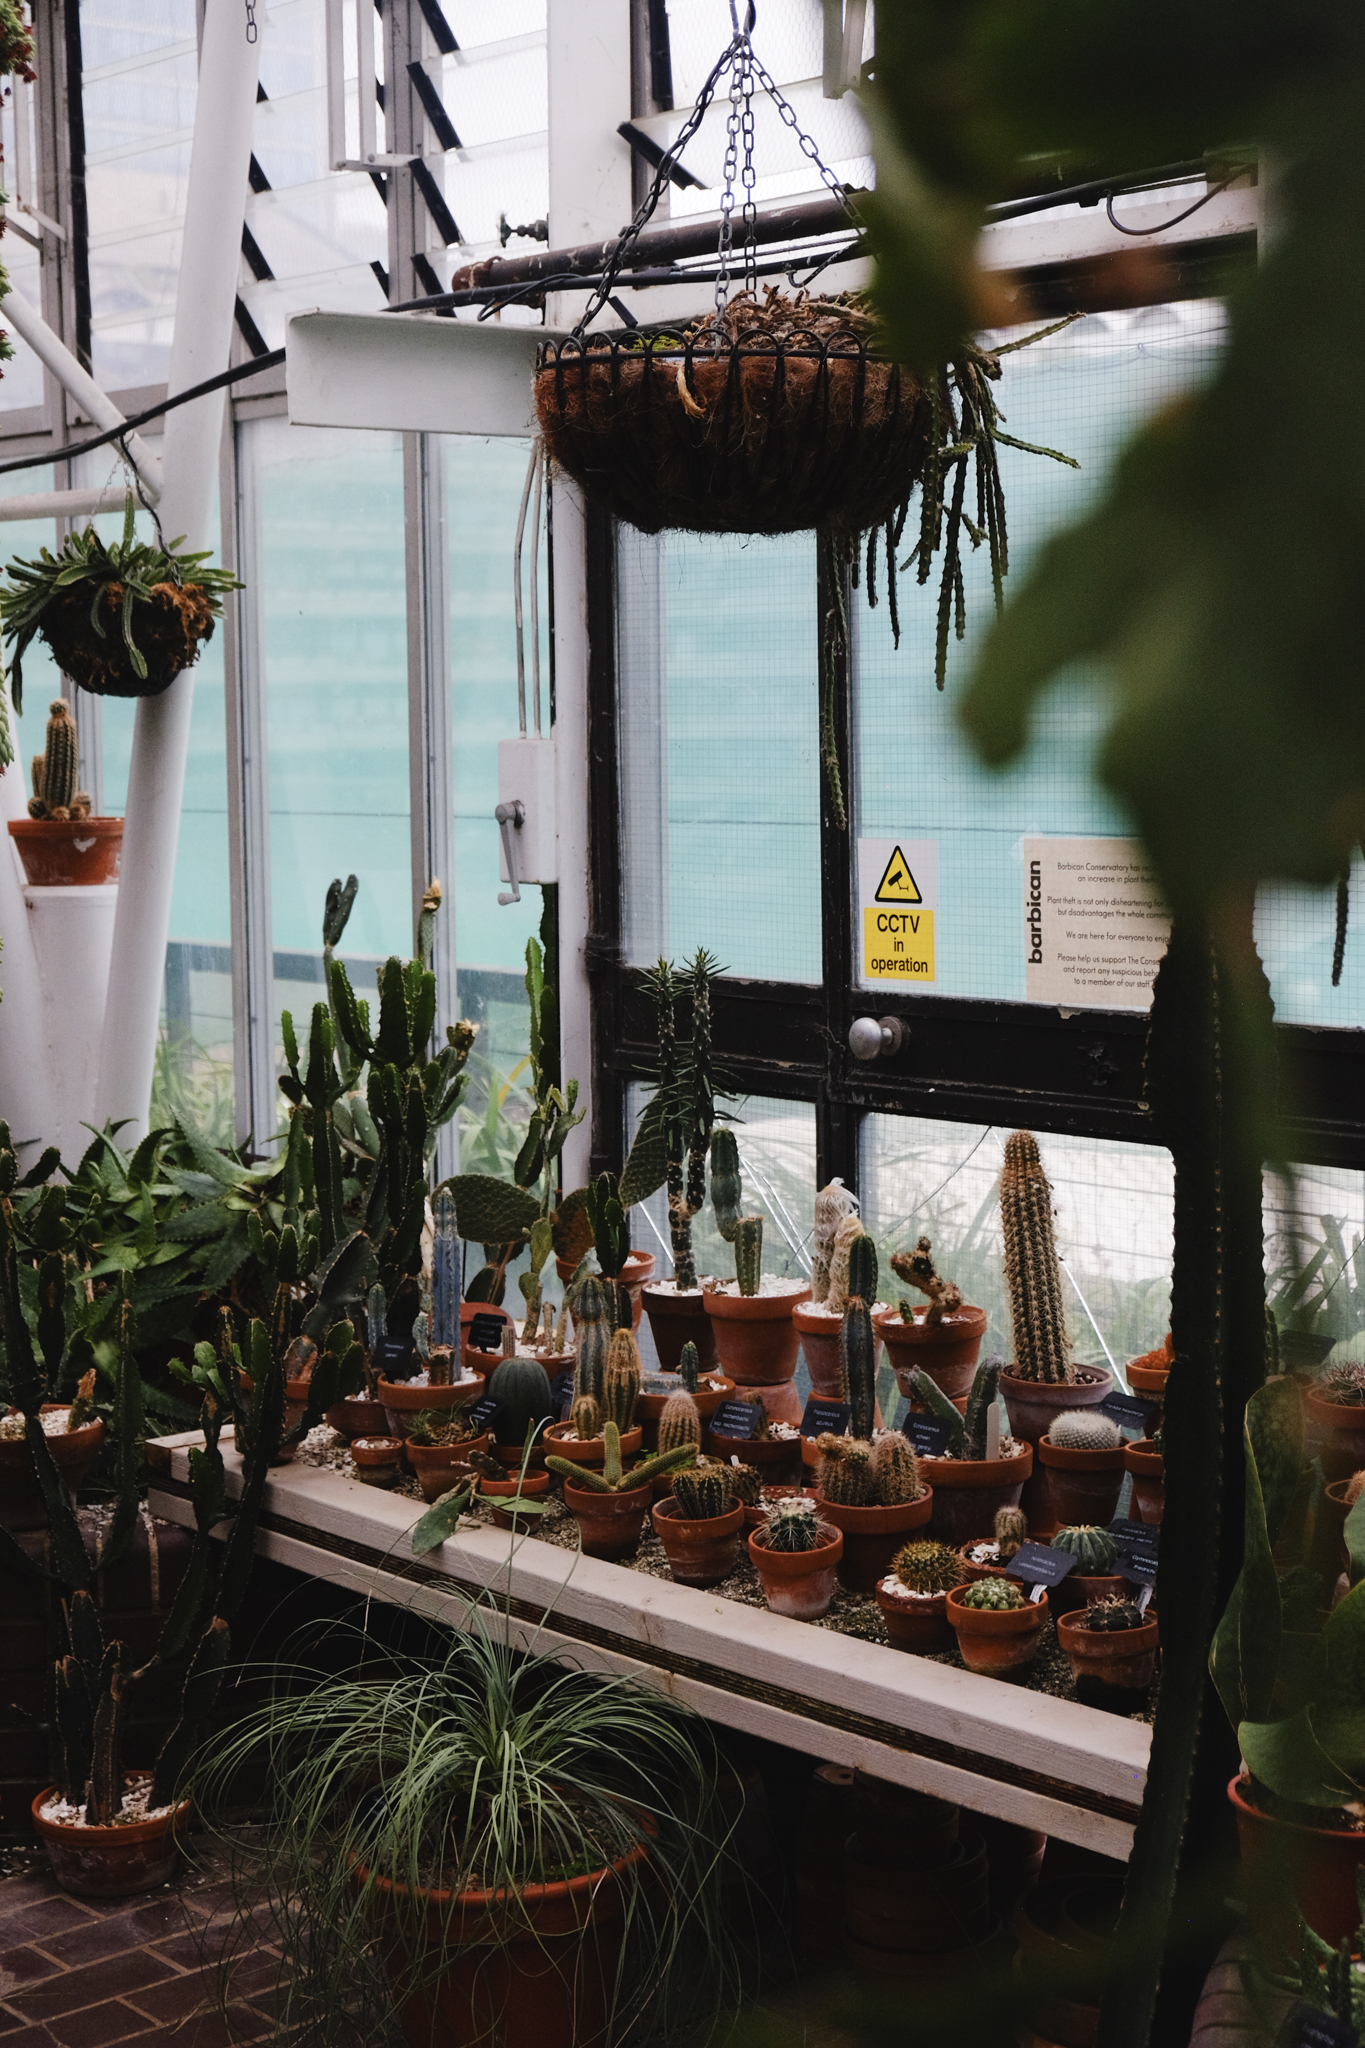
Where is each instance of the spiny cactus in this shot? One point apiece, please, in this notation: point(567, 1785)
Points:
point(749, 1253)
point(727, 1189)
point(836, 1296)
point(845, 1470)
point(688, 1367)
point(680, 1422)
point(745, 1483)
point(1042, 1348)
point(1084, 1429)
point(858, 1366)
point(895, 1472)
point(445, 1279)
point(521, 1388)
point(1011, 1531)
point(439, 1426)
point(929, 1567)
point(82, 1410)
point(701, 1493)
point(613, 1478)
point(594, 1313)
point(57, 770)
point(793, 1525)
point(1355, 1486)
point(585, 1419)
point(621, 1378)
point(966, 1433)
point(832, 1205)
point(1113, 1614)
point(509, 1340)
point(863, 1270)
point(918, 1268)
point(993, 1594)
point(1094, 1549)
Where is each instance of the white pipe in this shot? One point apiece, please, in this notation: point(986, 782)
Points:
point(571, 815)
point(28, 321)
point(64, 504)
point(26, 1101)
point(219, 160)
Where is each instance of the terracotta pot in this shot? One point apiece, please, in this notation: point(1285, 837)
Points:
point(969, 1565)
point(1014, 1857)
point(819, 1335)
point(895, 1908)
point(778, 1399)
point(1332, 1518)
point(1290, 1863)
point(1336, 1432)
point(755, 1335)
point(650, 1407)
point(872, 1536)
point(699, 1553)
point(920, 1623)
point(1084, 1485)
point(968, 1491)
point(1147, 1380)
point(678, 1319)
point(1078, 1590)
point(440, 1466)
point(111, 1862)
point(377, 1459)
point(541, 1977)
point(511, 1455)
point(777, 1458)
point(799, 1583)
point(356, 1417)
point(68, 852)
point(594, 1451)
point(609, 1524)
point(74, 1453)
point(947, 1351)
point(534, 1486)
point(826, 1820)
point(1032, 1406)
point(471, 1354)
point(403, 1401)
point(1118, 1660)
point(998, 1643)
point(1149, 1484)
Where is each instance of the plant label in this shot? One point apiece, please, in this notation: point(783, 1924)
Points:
point(1304, 2028)
point(898, 905)
point(482, 1412)
point(1094, 926)
point(822, 1415)
point(485, 1333)
point(928, 1436)
point(739, 1419)
point(1038, 1564)
point(395, 1358)
point(993, 1431)
point(1138, 1567)
point(562, 1391)
point(1135, 1535)
point(1130, 1411)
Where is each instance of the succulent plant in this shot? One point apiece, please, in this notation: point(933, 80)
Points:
point(918, 1268)
point(745, 1483)
point(594, 1320)
point(1042, 1348)
point(56, 770)
point(680, 1116)
point(994, 1595)
point(445, 1283)
point(438, 1426)
point(1344, 1383)
point(688, 1367)
point(1355, 1486)
point(749, 1254)
point(727, 1189)
point(521, 1388)
point(928, 1567)
point(702, 1493)
point(845, 1470)
point(621, 1377)
point(1094, 1549)
point(613, 1478)
point(1011, 1530)
point(833, 1205)
point(1084, 1429)
point(793, 1525)
point(895, 1471)
point(966, 1433)
point(836, 1295)
point(680, 1422)
point(1113, 1614)
point(82, 1411)
point(585, 1419)
point(858, 1341)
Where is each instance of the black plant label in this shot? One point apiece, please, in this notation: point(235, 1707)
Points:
point(739, 1419)
point(822, 1415)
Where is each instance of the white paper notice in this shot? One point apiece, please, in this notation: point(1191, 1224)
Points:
point(1095, 927)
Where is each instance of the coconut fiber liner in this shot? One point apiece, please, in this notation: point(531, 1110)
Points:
point(751, 436)
point(168, 631)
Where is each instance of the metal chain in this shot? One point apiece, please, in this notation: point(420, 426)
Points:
point(251, 29)
point(807, 146)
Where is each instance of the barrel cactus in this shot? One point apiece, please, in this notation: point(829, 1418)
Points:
point(1113, 1614)
point(585, 1419)
point(993, 1595)
point(1094, 1549)
point(1084, 1429)
point(928, 1567)
point(895, 1471)
point(701, 1493)
point(793, 1525)
point(745, 1483)
point(521, 1388)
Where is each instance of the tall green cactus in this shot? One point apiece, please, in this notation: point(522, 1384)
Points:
point(445, 1279)
point(677, 1123)
point(749, 1253)
point(1042, 1348)
point(594, 1319)
point(621, 1379)
point(862, 1269)
point(56, 771)
point(727, 1189)
point(688, 1367)
point(858, 1362)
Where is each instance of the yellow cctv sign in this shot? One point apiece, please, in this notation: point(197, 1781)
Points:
point(898, 901)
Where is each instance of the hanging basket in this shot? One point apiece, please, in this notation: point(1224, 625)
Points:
point(713, 433)
point(169, 627)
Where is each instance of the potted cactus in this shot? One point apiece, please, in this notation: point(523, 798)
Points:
point(606, 1388)
point(985, 1557)
point(521, 1388)
point(997, 1628)
point(1334, 1407)
point(59, 842)
point(1111, 1646)
point(1093, 1577)
point(1082, 1451)
point(969, 1485)
point(751, 1316)
point(914, 1594)
point(1148, 1375)
point(1043, 1379)
point(943, 1338)
point(73, 1436)
point(703, 1396)
point(610, 1506)
point(818, 1321)
point(444, 1381)
point(796, 1556)
point(700, 1525)
point(439, 1442)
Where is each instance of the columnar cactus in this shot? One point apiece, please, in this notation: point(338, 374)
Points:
point(793, 1525)
point(56, 770)
point(845, 1470)
point(966, 1433)
point(1084, 1429)
point(749, 1253)
point(621, 1378)
point(701, 1493)
point(688, 1367)
point(594, 1319)
point(857, 1339)
point(836, 1295)
point(1042, 1348)
point(1011, 1531)
point(833, 1205)
point(680, 1422)
point(585, 1419)
point(895, 1472)
point(994, 1595)
point(1094, 1549)
point(928, 1567)
point(918, 1268)
point(681, 1115)
point(445, 1278)
point(727, 1189)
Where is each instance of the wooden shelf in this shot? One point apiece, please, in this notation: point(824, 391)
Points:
point(999, 1749)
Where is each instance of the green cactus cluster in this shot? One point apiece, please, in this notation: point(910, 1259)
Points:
point(928, 1567)
point(613, 1478)
point(56, 771)
point(793, 1525)
point(701, 1492)
point(1084, 1429)
point(993, 1595)
point(1042, 1348)
point(855, 1474)
point(1011, 1532)
point(1094, 1549)
point(1115, 1615)
point(621, 1379)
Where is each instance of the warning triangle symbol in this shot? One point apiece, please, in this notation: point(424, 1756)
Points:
point(898, 885)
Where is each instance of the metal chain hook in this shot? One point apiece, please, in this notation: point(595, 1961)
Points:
point(251, 30)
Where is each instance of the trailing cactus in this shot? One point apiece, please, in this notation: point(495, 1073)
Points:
point(1094, 1549)
point(895, 1472)
point(727, 1189)
point(836, 1296)
point(749, 1253)
point(966, 1433)
point(845, 1471)
point(1042, 1348)
point(56, 770)
point(613, 1478)
point(918, 1268)
point(702, 1494)
point(621, 1379)
point(928, 1567)
point(1084, 1429)
point(688, 1368)
point(994, 1595)
point(1011, 1532)
point(1113, 1614)
point(793, 1525)
point(680, 1422)
point(585, 1419)
point(594, 1319)
point(833, 1205)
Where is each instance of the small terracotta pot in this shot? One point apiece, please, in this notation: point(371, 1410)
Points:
point(354, 1417)
point(678, 1319)
point(377, 1459)
point(650, 1407)
point(441, 1466)
point(777, 1458)
point(699, 1553)
point(1084, 1485)
point(970, 1566)
point(1148, 1468)
point(1118, 1660)
point(511, 1455)
point(778, 1399)
point(111, 1862)
point(1332, 1516)
point(534, 1486)
point(946, 1351)
point(1147, 1380)
point(471, 1354)
point(74, 1453)
point(798, 1583)
point(594, 1451)
point(819, 1335)
point(872, 1536)
point(403, 1401)
point(68, 852)
point(1032, 1407)
point(998, 1643)
point(755, 1335)
point(919, 1623)
point(609, 1524)
point(1336, 1431)
point(1078, 1590)
point(968, 1491)
point(1288, 1864)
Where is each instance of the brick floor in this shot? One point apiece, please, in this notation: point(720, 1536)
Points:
point(87, 1973)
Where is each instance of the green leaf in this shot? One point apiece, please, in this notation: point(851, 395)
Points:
point(441, 1520)
point(1274, 1421)
point(492, 1211)
point(1287, 1758)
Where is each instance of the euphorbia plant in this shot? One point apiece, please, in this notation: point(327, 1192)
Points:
point(674, 1134)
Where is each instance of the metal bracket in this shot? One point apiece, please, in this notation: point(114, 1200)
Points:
point(872, 1038)
point(511, 817)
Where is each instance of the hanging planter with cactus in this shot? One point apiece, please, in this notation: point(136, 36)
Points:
point(59, 842)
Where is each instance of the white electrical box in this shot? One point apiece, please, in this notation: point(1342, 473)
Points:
point(526, 783)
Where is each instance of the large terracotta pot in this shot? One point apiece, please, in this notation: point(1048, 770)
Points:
point(1289, 1863)
point(1336, 1431)
point(74, 1453)
point(439, 1467)
point(541, 1977)
point(1148, 1468)
point(968, 1491)
point(1118, 1660)
point(947, 1351)
point(798, 1583)
point(403, 1401)
point(872, 1536)
point(1084, 1485)
point(68, 852)
point(112, 1862)
point(678, 1319)
point(819, 1334)
point(1033, 1406)
point(699, 1553)
point(471, 1354)
point(609, 1524)
point(777, 1458)
point(755, 1335)
point(919, 1622)
point(999, 1642)
point(894, 1908)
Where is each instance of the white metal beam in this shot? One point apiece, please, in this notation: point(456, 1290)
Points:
point(64, 504)
point(80, 385)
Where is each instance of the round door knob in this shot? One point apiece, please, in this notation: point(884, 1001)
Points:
point(872, 1038)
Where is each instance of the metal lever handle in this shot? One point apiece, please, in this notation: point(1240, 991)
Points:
point(511, 817)
point(874, 1038)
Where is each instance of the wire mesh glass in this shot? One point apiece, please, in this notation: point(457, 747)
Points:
point(1314, 1220)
